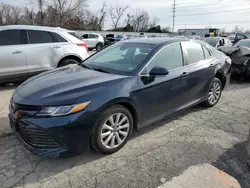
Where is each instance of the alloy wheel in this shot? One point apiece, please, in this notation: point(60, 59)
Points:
point(214, 93)
point(115, 130)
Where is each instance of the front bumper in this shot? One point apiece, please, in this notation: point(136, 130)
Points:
point(55, 137)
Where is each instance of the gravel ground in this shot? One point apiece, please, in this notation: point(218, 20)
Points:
point(161, 151)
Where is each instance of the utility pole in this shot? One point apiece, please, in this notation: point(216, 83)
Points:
point(173, 10)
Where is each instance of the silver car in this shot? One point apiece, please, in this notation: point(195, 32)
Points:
point(28, 50)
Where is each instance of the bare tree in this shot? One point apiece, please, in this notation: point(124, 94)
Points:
point(223, 30)
point(140, 20)
point(102, 15)
point(166, 29)
point(154, 21)
point(116, 14)
point(236, 29)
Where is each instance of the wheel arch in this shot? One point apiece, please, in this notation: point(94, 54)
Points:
point(128, 104)
point(220, 75)
point(69, 56)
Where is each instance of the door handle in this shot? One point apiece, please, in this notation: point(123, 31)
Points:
point(184, 74)
point(56, 47)
point(17, 52)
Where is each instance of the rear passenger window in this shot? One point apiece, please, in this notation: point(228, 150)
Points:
point(206, 53)
point(170, 57)
point(36, 37)
point(58, 38)
point(194, 52)
point(10, 37)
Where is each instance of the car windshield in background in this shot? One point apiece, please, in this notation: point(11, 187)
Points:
point(245, 43)
point(212, 41)
point(121, 58)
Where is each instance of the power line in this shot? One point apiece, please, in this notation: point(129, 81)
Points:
point(217, 12)
point(211, 6)
point(209, 3)
point(218, 23)
point(174, 11)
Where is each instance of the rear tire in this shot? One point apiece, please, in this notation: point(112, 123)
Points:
point(112, 130)
point(99, 47)
point(68, 62)
point(214, 93)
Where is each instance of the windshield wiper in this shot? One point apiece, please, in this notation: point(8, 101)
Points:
point(100, 70)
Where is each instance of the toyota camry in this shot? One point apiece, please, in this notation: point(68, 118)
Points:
point(124, 87)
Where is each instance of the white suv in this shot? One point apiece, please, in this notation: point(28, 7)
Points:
point(94, 41)
point(28, 50)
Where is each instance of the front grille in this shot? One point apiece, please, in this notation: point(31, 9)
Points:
point(34, 136)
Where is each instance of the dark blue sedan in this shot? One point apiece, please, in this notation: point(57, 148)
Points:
point(124, 87)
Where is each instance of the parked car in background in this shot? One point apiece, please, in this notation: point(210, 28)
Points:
point(218, 41)
point(240, 55)
point(94, 41)
point(109, 39)
point(124, 87)
point(120, 38)
point(142, 35)
point(239, 36)
point(28, 50)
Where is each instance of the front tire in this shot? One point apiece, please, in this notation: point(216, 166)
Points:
point(214, 93)
point(112, 130)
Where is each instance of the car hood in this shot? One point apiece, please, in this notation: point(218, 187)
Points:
point(63, 86)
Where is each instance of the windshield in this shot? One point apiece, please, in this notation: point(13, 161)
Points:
point(245, 43)
point(120, 58)
point(212, 41)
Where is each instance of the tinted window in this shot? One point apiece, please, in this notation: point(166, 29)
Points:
point(241, 36)
point(36, 37)
point(58, 38)
point(10, 37)
point(85, 36)
point(170, 57)
point(194, 52)
point(91, 36)
point(73, 34)
point(120, 58)
point(206, 53)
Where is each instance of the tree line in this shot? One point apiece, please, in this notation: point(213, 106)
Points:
point(75, 15)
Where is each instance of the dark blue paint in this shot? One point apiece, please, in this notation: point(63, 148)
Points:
point(152, 97)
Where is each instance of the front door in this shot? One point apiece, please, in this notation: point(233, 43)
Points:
point(12, 54)
point(162, 95)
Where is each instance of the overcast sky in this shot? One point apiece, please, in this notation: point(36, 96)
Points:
point(233, 12)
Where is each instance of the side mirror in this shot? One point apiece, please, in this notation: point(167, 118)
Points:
point(158, 71)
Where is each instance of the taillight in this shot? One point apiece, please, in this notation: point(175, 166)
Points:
point(84, 45)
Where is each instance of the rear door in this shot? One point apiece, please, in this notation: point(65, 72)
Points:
point(201, 70)
point(44, 50)
point(12, 54)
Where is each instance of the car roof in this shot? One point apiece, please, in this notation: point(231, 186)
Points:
point(31, 27)
point(156, 40)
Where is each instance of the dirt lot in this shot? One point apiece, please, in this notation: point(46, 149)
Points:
point(161, 151)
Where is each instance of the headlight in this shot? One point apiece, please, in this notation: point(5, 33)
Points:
point(62, 110)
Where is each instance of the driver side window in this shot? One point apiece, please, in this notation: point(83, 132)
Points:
point(169, 57)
